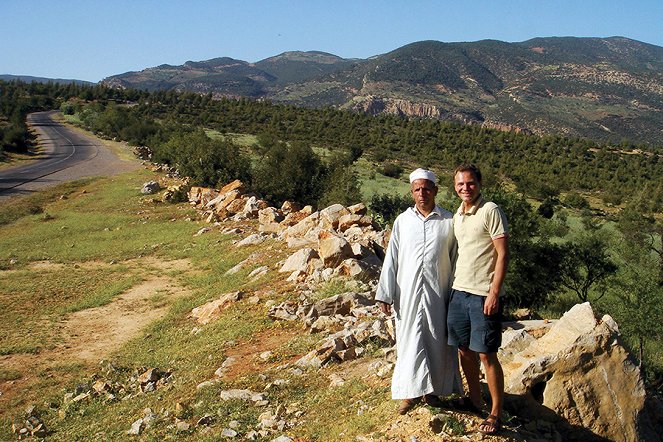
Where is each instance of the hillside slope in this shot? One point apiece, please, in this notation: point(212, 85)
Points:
point(609, 89)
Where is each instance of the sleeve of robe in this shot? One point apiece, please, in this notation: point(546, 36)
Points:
point(388, 290)
point(453, 254)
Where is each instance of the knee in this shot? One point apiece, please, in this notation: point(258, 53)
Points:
point(489, 359)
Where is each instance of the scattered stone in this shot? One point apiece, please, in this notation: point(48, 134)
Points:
point(228, 432)
point(136, 427)
point(183, 427)
point(150, 188)
point(260, 271)
point(252, 240)
point(244, 395)
point(202, 231)
point(336, 380)
point(206, 384)
point(212, 310)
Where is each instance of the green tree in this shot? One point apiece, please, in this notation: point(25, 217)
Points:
point(577, 201)
point(288, 172)
point(638, 298)
point(387, 207)
point(534, 262)
point(644, 230)
point(586, 265)
point(341, 184)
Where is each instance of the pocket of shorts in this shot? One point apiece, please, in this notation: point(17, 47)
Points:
point(492, 338)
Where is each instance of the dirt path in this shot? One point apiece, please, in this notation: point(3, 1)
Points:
point(90, 335)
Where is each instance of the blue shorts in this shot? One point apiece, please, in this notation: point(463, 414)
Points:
point(468, 327)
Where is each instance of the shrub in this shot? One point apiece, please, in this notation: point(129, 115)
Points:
point(288, 172)
point(576, 201)
point(388, 207)
point(207, 162)
point(391, 170)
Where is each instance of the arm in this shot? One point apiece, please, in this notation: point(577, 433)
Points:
point(491, 306)
point(385, 308)
point(387, 284)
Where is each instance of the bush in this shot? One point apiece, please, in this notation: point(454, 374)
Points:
point(576, 201)
point(211, 163)
point(288, 172)
point(391, 170)
point(388, 207)
point(534, 263)
point(341, 186)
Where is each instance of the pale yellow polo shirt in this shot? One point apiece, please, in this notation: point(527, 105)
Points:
point(475, 231)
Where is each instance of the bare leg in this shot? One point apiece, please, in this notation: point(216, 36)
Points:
point(470, 364)
point(495, 379)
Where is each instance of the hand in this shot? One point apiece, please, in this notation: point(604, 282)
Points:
point(491, 305)
point(385, 308)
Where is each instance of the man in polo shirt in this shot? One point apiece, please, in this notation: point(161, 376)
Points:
point(475, 309)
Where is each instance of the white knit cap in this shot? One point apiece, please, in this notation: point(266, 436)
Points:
point(423, 174)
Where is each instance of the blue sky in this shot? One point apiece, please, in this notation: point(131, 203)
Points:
point(93, 39)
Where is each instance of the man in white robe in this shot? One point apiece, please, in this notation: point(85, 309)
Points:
point(415, 282)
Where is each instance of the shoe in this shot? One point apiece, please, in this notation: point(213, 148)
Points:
point(491, 425)
point(408, 404)
point(460, 404)
point(433, 401)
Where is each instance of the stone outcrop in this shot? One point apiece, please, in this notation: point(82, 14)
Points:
point(579, 370)
point(335, 241)
point(378, 105)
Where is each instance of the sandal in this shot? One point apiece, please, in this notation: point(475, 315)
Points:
point(491, 425)
point(408, 404)
point(461, 404)
point(433, 401)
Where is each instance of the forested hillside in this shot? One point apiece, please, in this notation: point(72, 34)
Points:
point(538, 166)
point(608, 89)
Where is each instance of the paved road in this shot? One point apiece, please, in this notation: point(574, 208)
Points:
point(67, 155)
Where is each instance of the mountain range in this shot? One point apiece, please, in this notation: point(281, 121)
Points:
point(30, 79)
point(606, 89)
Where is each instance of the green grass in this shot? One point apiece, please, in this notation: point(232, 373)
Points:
point(244, 140)
point(32, 305)
point(92, 241)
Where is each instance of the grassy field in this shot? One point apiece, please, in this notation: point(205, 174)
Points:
point(79, 247)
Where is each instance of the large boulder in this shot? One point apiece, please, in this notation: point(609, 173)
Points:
point(330, 216)
point(581, 372)
point(333, 249)
point(298, 261)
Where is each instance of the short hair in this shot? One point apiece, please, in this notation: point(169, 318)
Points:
point(469, 167)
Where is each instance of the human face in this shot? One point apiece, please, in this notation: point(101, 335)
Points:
point(467, 187)
point(423, 193)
